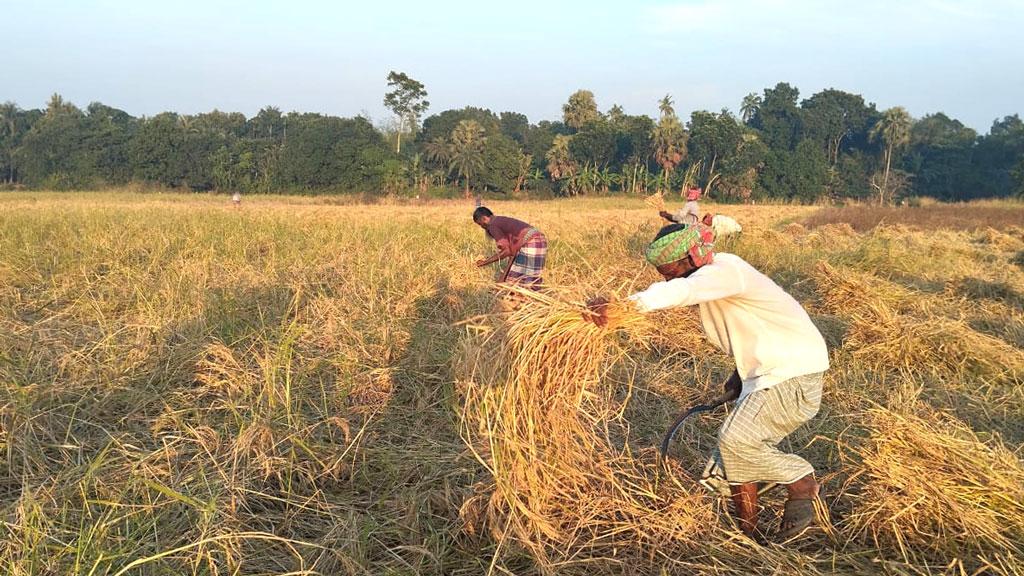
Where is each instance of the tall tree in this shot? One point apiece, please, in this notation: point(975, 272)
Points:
point(778, 117)
point(9, 116)
point(894, 131)
point(996, 157)
point(467, 150)
point(515, 126)
point(594, 144)
point(442, 123)
point(751, 102)
point(616, 114)
point(407, 101)
point(940, 157)
point(51, 152)
point(268, 123)
point(831, 116)
point(580, 109)
point(669, 140)
point(713, 137)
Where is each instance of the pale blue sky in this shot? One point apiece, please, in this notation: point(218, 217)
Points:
point(962, 58)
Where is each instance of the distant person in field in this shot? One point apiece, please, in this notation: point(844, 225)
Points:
point(236, 199)
point(689, 213)
point(780, 360)
point(721, 225)
point(524, 246)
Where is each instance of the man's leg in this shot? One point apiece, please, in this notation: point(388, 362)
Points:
point(747, 443)
point(745, 508)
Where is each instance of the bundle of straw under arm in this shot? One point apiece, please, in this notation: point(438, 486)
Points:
point(694, 240)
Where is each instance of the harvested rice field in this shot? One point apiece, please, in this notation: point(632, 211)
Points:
point(308, 386)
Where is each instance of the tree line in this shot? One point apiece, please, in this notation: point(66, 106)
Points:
point(831, 145)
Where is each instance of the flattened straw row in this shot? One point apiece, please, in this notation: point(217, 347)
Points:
point(884, 337)
point(934, 485)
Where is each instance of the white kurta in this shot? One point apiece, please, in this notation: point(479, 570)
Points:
point(749, 317)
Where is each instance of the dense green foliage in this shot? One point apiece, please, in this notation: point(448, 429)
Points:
point(831, 145)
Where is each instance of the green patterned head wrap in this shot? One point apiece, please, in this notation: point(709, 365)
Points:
point(695, 240)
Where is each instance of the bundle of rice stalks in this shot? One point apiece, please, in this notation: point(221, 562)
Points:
point(795, 229)
point(842, 289)
point(933, 485)
point(1000, 240)
point(656, 201)
point(564, 483)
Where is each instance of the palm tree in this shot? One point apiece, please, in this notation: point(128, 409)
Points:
point(665, 106)
point(439, 152)
point(467, 150)
point(560, 163)
point(669, 139)
point(580, 109)
point(55, 105)
point(751, 102)
point(894, 131)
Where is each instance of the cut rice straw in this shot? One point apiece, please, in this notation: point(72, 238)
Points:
point(656, 201)
point(564, 485)
point(934, 485)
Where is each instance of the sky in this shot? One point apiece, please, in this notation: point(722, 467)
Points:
point(962, 58)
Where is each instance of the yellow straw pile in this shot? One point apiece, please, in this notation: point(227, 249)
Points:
point(934, 485)
point(564, 482)
point(889, 332)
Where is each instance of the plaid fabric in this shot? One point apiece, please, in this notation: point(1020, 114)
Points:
point(529, 262)
point(748, 440)
point(696, 240)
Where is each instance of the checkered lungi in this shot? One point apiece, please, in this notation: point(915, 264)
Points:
point(529, 261)
point(748, 440)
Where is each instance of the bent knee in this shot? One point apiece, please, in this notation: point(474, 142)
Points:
point(739, 442)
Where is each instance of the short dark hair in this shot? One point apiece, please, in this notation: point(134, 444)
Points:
point(480, 212)
point(670, 229)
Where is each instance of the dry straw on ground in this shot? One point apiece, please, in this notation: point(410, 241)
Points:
point(932, 484)
point(298, 387)
point(887, 330)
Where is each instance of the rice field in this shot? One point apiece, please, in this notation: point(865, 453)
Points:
point(312, 386)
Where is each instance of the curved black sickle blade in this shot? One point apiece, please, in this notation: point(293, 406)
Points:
point(728, 396)
point(679, 423)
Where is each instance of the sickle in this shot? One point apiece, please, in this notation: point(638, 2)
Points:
point(727, 396)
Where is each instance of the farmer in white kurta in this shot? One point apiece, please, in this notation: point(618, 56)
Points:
point(780, 357)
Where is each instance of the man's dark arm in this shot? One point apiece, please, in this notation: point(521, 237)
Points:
point(492, 259)
point(733, 386)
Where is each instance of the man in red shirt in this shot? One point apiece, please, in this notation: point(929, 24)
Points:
point(524, 246)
